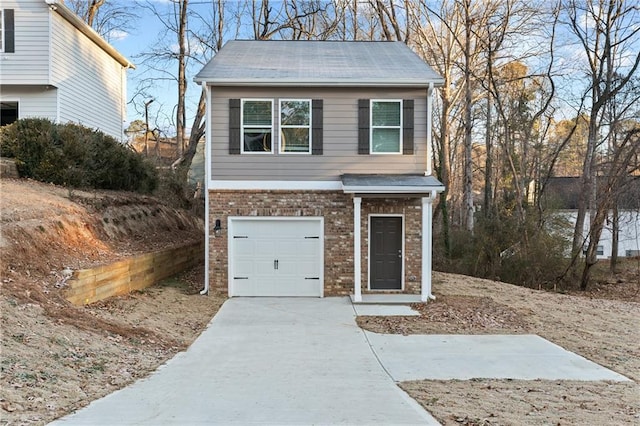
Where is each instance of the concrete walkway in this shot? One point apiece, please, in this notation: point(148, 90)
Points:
point(463, 357)
point(266, 361)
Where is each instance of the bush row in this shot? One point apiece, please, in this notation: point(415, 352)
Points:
point(75, 156)
point(531, 254)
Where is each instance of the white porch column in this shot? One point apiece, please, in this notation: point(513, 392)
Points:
point(427, 246)
point(357, 273)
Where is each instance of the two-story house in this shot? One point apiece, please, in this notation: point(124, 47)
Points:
point(53, 65)
point(319, 169)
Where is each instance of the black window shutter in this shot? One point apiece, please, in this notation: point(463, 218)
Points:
point(9, 31)
point(316, 127)
point(407, 126)
point(234, 126)
point(363, 126)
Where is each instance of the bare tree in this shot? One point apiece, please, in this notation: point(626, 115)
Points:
point(109, 19)
point(607, 33)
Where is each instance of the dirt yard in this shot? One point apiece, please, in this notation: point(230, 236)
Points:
point(604, 331)
point(57, 357)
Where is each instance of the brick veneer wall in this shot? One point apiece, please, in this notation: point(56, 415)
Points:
point(337, 210)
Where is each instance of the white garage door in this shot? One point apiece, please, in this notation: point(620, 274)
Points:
point(276, 257)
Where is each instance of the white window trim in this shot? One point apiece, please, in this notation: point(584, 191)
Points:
point(2, 30)
point(371, 126)
point(280, 126)
point(400, 215)
point(242, 126)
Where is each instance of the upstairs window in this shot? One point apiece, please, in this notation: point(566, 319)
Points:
point(386, 127)
point(7, 33)
point(257, 125)
point(295, 126)
point(251, 126)
point(1, 30)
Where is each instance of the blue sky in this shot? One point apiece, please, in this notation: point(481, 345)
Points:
point(145, 34)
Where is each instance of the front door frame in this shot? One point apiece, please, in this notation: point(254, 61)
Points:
point(401, 216)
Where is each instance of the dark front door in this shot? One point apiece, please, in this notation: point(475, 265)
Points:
point(386, 253)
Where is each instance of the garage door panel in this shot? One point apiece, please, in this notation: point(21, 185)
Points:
point(265, 268)
point(276, 257)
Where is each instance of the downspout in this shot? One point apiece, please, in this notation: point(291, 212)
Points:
point(207, 141)
point(429, 171)
point(123, 102)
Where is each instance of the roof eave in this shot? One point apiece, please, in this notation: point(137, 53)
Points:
point(407, 189)
point(319, 83)
point(62, 10)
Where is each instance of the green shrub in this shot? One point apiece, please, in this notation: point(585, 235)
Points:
point(501, 248)
point(75, 156)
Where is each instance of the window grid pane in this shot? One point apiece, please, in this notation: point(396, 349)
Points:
point(386, 140)
point(257, 140)
point(294, 113)
point(386, 114)
point(295, 139)
point(257, 113)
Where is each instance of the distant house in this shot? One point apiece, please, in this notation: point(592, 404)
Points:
point(318, 169)
point(562, 193)
point(53, 65)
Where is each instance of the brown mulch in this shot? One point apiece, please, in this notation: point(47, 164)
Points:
point(453, 314)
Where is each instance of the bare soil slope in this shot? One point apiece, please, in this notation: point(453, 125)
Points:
point(57, 357)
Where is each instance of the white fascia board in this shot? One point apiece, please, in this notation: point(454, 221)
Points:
point(319, 83)
point(391, 189)
point(274, 185)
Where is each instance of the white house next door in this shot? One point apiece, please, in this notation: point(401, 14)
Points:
point(276, 257)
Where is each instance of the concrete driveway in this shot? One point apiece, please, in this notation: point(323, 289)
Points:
point(266, 361)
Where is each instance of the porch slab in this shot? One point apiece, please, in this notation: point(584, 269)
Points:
point(466, 357)
point(385, 310)
point(387, 299)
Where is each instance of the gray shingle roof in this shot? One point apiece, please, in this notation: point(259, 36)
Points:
point(390, 183)
point(317, 63)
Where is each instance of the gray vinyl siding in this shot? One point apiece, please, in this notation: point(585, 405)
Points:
point(91, 83)
point(340, 153)
point(33, 101)
point(29, 63)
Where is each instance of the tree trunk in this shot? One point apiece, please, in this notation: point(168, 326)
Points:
point(197, 132)
point(488, 166)
point(586, 197)
point(445, 167)
point(182, 80)
point(614, 237)
point(92, 11)
point(591, 257)
point(468, 167)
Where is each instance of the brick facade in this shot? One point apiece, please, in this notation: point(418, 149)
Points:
point(337, 210)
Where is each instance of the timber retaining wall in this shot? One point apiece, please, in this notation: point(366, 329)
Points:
point(90, 285)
